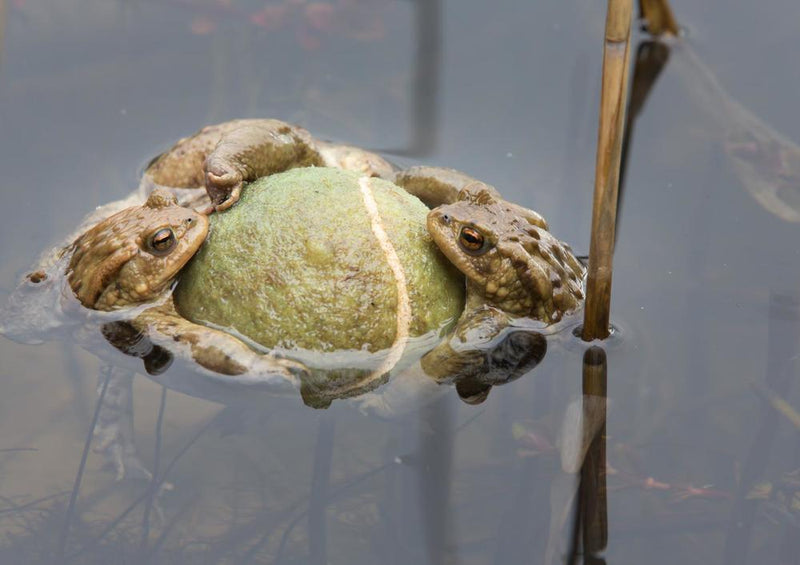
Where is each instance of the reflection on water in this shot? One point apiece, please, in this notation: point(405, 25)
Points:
point(765, 161)
point(701, 464)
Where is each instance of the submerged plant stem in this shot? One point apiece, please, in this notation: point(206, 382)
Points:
point(616, 57)
point(62, 538)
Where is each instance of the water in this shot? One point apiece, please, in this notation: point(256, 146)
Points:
point(705, 287)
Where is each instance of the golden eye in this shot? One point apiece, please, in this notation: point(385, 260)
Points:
point(471, 240)
point(161, 242)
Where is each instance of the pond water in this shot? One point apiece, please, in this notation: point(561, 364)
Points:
point(706, 294)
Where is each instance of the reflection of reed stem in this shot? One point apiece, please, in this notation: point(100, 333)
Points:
point(651, 57)
point(594, 506)
point(616, 55)
point(658, 17)
point(590, 528)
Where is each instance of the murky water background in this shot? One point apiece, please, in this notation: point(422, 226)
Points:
point(706, 286)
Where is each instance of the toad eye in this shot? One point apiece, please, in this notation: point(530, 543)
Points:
point(472, 241)
point(161, 242)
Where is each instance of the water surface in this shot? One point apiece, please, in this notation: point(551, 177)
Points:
point(705, 286)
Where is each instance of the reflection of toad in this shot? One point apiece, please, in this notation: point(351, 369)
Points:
point(770, 168)
point(765, 161)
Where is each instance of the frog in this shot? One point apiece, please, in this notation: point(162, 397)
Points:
point(132, 258)
point(133, 255)
point(512, 268)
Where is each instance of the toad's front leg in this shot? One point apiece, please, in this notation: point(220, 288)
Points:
point(158, 334)
point(257, 149)
point(218, 351)
point(183, 164)
point(483, 350)
point(222, 157)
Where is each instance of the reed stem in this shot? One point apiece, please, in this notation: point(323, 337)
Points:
point(616, 58)
point(658, 17)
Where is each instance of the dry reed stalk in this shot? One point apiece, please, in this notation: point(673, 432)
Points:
point(616, 58)
point(658, 17)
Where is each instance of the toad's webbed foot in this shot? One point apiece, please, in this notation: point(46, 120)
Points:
point(224, 187)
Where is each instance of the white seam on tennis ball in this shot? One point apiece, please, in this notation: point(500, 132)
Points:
point(403, 315)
